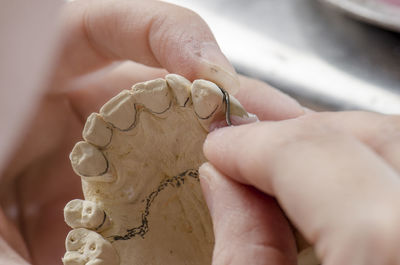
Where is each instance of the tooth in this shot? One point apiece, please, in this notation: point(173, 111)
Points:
point(154, 95)
point(207, 102)
point(85, 214)
point(120, 111)
point(181, 88)
point(97, 131)
point(87, 160)
point(236, 109)
point(86, 247)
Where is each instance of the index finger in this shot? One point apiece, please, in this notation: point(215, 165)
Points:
point(149, 32)
point(335, 189)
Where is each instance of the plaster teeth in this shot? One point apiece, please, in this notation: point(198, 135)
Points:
point(88, 161)
point(237, 108)
point(120, 111)
point(85, 214)
point(154, 95)
point(207, 101)
point(181, 88)
point(85, 247)
point(138, 166)
point(97, 131)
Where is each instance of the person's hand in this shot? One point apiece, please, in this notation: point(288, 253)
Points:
point(99, 37)
point(335, 175)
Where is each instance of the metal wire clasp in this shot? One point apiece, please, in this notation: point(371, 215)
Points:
point(226, 100)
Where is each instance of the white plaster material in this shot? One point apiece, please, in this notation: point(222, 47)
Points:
point(97, 131)
point(180, 87)
point(85, 247)
point(120, 111)
point(209, 104)
point(86, 214)
point(87, 160)
point(207, 98)
point(144, 174)
point(154, 95)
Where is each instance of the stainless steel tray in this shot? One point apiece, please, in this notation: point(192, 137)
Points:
point(384, 13)
point(309, 50)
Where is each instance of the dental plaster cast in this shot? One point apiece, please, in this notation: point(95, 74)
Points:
point(139, 169)
point(138, 164)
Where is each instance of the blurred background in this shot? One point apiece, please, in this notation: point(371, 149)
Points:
point(329, 54)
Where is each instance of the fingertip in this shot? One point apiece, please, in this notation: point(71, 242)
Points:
point(266, 101)
point(215, 142)
point(215, 67)
point(239, 211)
point(208, 174)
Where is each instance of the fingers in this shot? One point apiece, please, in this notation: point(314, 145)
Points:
point(267, 102)
point(149, 32)
point(11, 242)
point(88, 93)
point(249, 227)
point(380, 132)
point(334, 188)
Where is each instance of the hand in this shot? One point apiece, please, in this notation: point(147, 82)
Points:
point(101, 39)
point(335, 175)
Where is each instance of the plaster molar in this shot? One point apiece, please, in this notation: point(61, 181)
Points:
point(85, 247)
point(86, 214)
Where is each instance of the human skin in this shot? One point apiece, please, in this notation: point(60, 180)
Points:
point(98, 39)
point(335, 175)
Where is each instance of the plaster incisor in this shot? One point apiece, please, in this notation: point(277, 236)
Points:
point(139, 169)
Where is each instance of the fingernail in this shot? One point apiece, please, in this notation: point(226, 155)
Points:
point(216, 68)
point(236, 121)
point(250, 118)
point(207, 173)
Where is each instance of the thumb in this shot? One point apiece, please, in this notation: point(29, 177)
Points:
point(153, 33)
point(249, 226)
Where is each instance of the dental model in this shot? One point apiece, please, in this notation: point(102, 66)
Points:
point(138, 165)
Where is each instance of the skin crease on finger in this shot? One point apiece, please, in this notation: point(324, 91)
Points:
point(287, 159)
